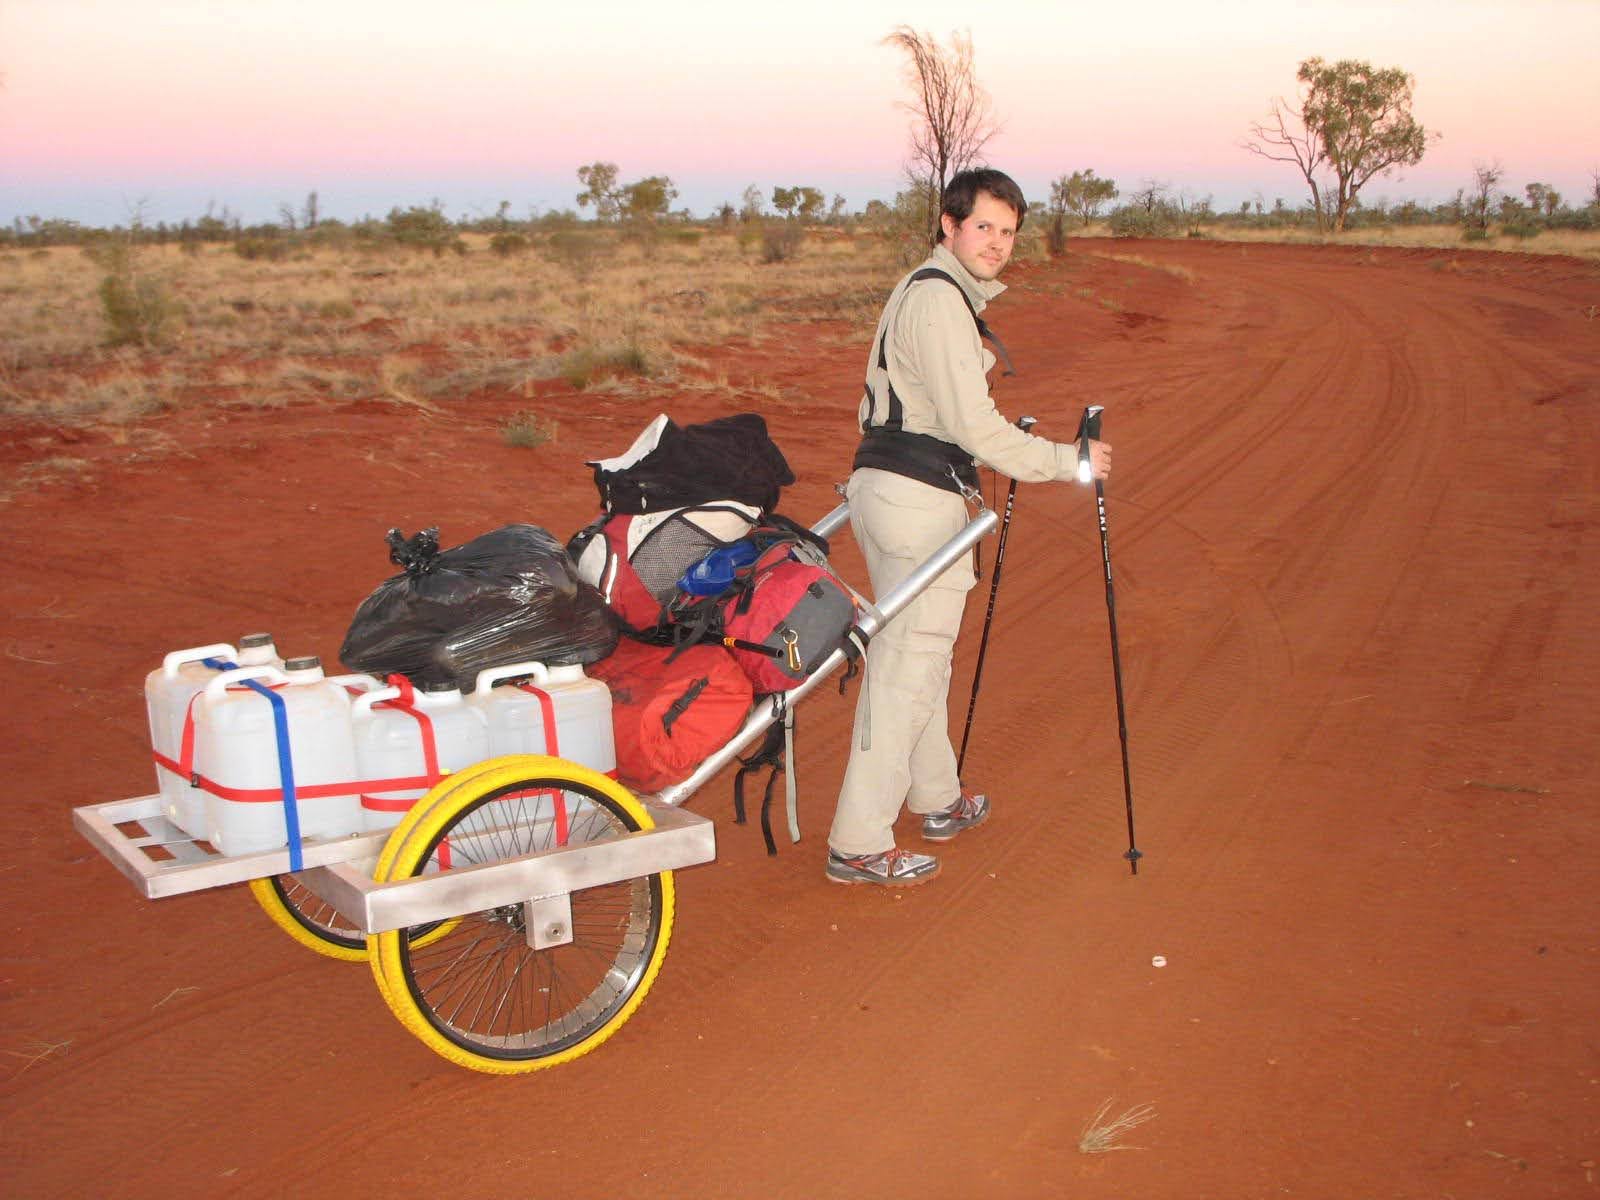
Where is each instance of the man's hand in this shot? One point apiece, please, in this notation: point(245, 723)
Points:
point(1099, 459)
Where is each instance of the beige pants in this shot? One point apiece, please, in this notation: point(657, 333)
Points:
point(900, 752)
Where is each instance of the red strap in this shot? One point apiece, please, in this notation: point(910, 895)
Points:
point(186, 747)
point(379, 804)
point(430, 747)
point(311, 792)
point(547, 710)
point(552, 746)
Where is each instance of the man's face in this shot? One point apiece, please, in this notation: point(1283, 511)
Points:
point(982, 243)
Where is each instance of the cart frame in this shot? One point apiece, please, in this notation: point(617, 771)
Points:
point(161, 860)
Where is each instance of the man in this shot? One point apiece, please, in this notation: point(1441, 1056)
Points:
point(925, 417)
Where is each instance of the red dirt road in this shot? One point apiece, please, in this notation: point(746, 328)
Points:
point(1353, 521)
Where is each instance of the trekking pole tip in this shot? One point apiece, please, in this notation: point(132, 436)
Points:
point(1133, 855)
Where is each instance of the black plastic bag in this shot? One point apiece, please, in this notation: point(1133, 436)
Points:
point(671, 465)
point(509, 596)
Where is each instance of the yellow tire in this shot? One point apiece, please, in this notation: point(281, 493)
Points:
point(308, 918)
point(316, 924)
point(477, 993)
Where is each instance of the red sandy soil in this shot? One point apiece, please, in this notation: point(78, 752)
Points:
point(1353, 521)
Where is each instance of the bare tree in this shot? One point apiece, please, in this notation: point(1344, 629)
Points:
point(1354, 122)
point(1485, 179)
point(1280, 142)
point(952, 120)
point(1150, 195)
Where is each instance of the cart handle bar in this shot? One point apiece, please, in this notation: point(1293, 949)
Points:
point(867, 626)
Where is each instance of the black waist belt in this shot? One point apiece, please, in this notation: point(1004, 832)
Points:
point(918, 456)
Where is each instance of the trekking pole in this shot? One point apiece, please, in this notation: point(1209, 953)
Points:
point(1024, 424)
point(1089, 431)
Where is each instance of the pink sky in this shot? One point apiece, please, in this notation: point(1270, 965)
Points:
point(107, 102)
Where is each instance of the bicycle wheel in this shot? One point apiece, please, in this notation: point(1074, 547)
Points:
point(308, 918)
point(479, 994)
point(440, 793)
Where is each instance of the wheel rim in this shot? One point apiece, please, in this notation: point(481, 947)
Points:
point(480, 984)
point(315, 915)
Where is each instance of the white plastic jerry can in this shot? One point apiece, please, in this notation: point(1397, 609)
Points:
point(239, 749)
point(558, 711)
point(440, 734)
point(258, 650)
point(168, 691)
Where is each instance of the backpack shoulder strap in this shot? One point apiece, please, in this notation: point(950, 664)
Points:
point(896, 416)
point(983, 328)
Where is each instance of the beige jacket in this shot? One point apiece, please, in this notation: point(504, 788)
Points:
point(939, 366)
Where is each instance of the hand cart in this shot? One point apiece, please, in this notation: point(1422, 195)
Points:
point(519, 913)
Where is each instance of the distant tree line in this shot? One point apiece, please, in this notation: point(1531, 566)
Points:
point(777, 219)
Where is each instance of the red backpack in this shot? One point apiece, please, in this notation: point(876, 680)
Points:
point(671, 710)
point(782, 615)
point(636, 559)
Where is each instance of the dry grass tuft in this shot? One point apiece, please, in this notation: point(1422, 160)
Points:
point(1102, 1135)
point(1176, 270)
point(529, 429)
point(36, 1052)
point(1575, 243)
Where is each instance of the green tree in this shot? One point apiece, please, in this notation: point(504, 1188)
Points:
point(599, 181)
point(802, 202)
point(811, 202)
point(1081, 194)
point(1354, 122)
point(1543, 199)
point(647, 200)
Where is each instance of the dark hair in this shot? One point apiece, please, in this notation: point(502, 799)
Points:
point(961, 193)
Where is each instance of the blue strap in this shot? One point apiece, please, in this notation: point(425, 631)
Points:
point(280, 722)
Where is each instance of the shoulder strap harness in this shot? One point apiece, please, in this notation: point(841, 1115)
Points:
point(896, 417)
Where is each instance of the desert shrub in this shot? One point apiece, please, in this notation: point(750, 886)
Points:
point(1473, 234)
point(1055, 234)
point(423, 229)
point(1135, 220)
point(528, 429)
point(1521, 227)
point(581, 365)
point(254, 248)
point(139, 308)
point(576, 249)
point(780, 241)
point(507, 244)
point(1577, 218)
point(336, 310)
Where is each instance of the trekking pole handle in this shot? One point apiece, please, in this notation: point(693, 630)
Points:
point(1088, 431)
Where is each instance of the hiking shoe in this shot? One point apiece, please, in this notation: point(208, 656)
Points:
point(966, 812)
point(893, 868)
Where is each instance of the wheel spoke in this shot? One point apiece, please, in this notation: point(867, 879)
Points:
point(481, 985)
